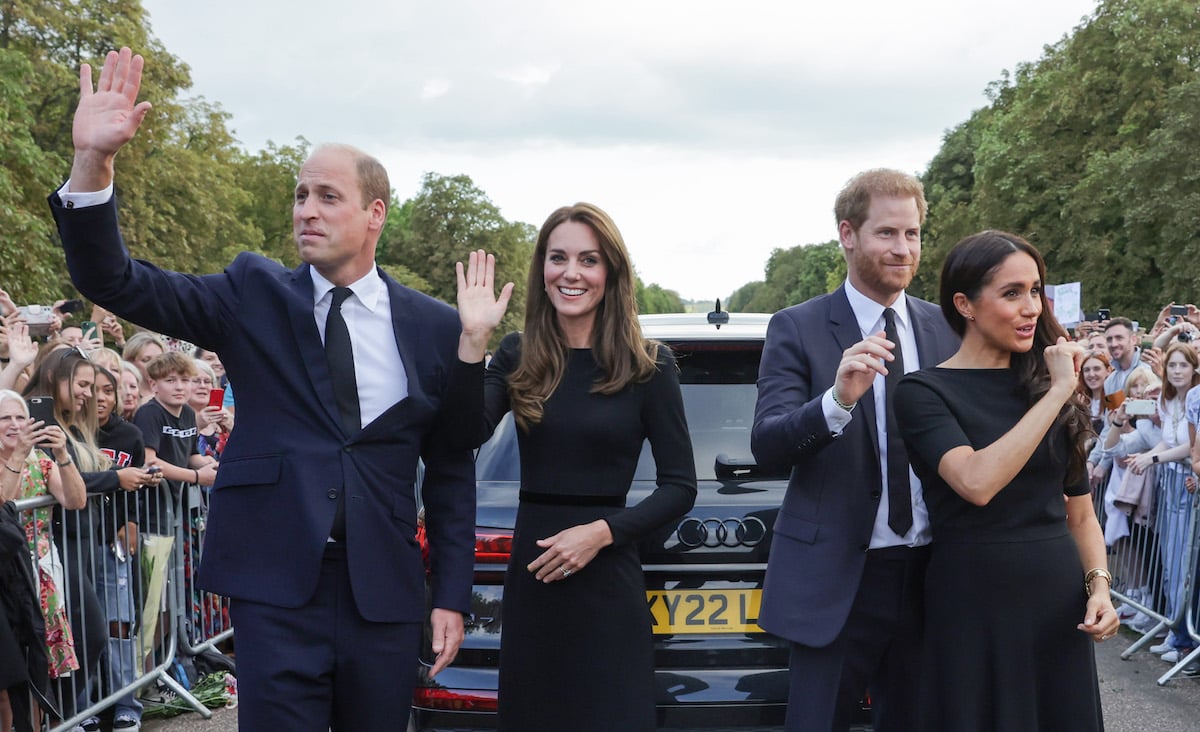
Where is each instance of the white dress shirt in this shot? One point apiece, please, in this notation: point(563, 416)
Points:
point(378, 369)
point(869, 315)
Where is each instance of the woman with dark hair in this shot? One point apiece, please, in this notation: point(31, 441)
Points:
point(1017, 582)
point(586, 390)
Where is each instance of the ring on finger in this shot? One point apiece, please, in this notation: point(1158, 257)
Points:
point(565, 572)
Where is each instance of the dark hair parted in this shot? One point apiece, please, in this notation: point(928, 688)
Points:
point(969, 267)
point(618, 347)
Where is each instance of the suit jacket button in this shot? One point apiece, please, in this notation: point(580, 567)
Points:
point(876, 494)
point(347, 448)
point(332, 493)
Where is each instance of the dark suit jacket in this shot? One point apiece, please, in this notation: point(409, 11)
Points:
point(824, 526)
point(273, 502)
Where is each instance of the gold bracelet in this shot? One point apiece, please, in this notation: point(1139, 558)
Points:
point(1093, 574)
point(10, 469)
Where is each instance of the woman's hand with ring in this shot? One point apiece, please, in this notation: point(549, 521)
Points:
point(570, 550)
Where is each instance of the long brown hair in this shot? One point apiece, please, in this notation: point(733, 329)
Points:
point(1082, 387)
point(968, 268)
point(1169, 391)
point(618, 347)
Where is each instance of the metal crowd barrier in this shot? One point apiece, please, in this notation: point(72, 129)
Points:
point(131, 615)
point(1155, 566)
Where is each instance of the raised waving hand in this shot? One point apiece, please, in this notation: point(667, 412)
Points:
point(107, 117)
point(479, 309)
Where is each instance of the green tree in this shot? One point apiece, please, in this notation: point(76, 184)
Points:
point(654, 298)
point(1086, 153)
point(448, 219)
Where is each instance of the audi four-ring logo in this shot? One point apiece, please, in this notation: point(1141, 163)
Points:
point(714, 532)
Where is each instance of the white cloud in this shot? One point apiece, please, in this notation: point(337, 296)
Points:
point(712, 131)
point(434, 88)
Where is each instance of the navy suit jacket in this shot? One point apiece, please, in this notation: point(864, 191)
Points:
point(824, 526)
point(274, 499)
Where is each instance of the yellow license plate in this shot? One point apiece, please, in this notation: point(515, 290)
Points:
point(705, 611)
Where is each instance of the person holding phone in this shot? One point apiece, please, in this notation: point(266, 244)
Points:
point(28, 472)
point(213, 421)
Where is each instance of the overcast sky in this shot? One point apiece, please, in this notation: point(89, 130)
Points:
point(712, 132)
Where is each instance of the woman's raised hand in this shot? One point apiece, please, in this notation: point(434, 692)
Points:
point(1063, 360)
point(479, 309)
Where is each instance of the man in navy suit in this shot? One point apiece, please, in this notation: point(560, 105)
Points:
point(312, 525)
point(845, 576)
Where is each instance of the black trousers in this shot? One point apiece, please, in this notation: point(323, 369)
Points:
point(878, 652)
point(322, 666)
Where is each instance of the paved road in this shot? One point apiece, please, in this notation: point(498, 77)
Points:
point(1133, 701)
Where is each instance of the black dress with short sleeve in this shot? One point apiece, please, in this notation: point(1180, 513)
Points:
point(576, 654)
point(1004, 590)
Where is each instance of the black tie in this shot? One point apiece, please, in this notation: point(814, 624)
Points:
point(899, 498)
point(340, 355)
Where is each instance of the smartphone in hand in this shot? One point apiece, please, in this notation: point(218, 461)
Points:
point(216, 397)
point(41, 409)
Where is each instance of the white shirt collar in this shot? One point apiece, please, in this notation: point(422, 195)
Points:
point(869, 313)
point(365, 289)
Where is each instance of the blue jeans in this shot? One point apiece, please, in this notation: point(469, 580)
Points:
point(1174, 514)
point(120, 606)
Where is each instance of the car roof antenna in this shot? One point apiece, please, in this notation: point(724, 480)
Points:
point(717, 317)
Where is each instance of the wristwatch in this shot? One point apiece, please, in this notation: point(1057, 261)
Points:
point(1154, 458)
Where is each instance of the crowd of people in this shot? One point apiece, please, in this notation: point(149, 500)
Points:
point(938, 546)
point(1139, 385)
point(101, 433)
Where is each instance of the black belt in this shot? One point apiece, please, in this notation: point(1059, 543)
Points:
point(572, 499)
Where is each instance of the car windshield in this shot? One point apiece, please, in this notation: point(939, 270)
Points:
point(717, 380)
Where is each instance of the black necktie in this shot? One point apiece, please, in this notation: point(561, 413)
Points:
point(340, 355)
point(899, 498)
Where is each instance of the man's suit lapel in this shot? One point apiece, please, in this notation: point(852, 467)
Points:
point(408, 332)
point(312, 351)
point(844, 328)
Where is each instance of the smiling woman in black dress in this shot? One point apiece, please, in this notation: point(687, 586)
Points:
point(585, 390)
point(997, 438)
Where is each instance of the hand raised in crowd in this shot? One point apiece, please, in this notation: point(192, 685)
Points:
point(859, 364)
point(1153, 358)
point(21, 349)
point(7, 306)
point(110, 325)
point(479, 309)
point(107, 117)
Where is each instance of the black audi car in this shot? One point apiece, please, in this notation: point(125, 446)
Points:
point(714, 667)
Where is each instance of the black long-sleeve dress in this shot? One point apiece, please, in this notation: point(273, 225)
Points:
point(577, 654)
point(1004, 589)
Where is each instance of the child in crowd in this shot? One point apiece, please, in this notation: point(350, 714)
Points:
point(168, 426)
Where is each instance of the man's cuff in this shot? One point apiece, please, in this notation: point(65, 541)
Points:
point(75, 199)
point(836, 417)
